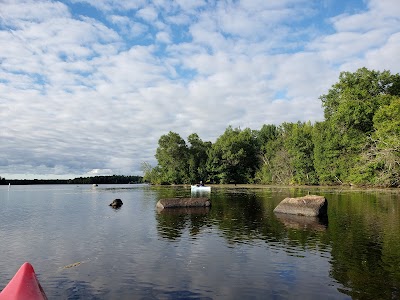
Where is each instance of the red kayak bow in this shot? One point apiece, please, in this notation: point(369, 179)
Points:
point(23, 286)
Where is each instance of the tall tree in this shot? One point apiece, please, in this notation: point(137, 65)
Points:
point(267, 133)
point(268, 145)
point(172, 157)
point(328, 162)
point(380, 163)
point(387, 136)
point(274, 167)
point(232, 158)
point(151, 174)
point(197, 158)
point(299, 144)
point(349, 108)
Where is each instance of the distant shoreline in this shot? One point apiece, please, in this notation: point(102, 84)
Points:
point(114, 179)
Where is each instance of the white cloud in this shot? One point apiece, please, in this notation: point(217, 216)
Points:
point(163, 37)
point(85, 95)
point(112, 5)
point(148, 14)
point(360, 35)
point(383, 57)
point(381, 14)
point(190, 5)
point(253, 22)
point(15, 12)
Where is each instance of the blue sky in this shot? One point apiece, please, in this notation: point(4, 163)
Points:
point(87, 87)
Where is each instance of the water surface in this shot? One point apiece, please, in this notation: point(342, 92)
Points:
point(239, 249)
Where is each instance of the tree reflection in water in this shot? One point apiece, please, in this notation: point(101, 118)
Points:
point(362, 238)
point(173, 221)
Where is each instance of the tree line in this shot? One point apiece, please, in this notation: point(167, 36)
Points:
point(357, 143)
point(114, 179)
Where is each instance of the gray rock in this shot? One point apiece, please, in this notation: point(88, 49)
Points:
point(310, 205)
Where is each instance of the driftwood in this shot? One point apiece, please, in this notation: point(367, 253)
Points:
point(310, 205)
point(183, 202)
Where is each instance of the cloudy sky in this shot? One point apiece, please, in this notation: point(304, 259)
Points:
point(87, 87)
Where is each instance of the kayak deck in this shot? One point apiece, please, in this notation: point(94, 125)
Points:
point(23, 286)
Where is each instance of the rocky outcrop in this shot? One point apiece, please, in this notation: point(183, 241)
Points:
point(310, 205)
point(183, 202)
point(117, 203)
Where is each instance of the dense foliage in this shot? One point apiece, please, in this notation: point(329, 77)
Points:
point(357, 143)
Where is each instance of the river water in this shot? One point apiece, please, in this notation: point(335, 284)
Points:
point(81, 248)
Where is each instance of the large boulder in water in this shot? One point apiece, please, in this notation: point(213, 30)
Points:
point(117, 203)
point(310, 205)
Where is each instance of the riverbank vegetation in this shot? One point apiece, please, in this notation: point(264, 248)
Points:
point(357, 143)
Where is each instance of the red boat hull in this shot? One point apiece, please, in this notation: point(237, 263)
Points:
point(23, 286)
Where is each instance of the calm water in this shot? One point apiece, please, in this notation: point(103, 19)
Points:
point(239, 249)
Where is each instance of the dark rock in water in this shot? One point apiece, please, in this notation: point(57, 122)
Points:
point(117, 203)
point(310, 205)
point(183, 202)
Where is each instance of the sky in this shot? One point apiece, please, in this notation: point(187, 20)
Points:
point(87, 87)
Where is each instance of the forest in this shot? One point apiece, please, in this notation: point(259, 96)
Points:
point(114, 179)
point(357, 143)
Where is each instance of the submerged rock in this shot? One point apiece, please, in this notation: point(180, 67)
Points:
point(183, 202)
point(310, 205)
point(117, 203)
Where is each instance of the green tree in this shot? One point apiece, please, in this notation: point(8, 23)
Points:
point(172, 157)
point(282, 169)
point(349, 108)
point(328, 162)
point(287, 154)
point(266, 134)
point(151, 174)
point(197, 158)
point(358, 142)
point(354, 99)
point(268, 145)
point(381, 162)
point(300, 147)
point(232, 158)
